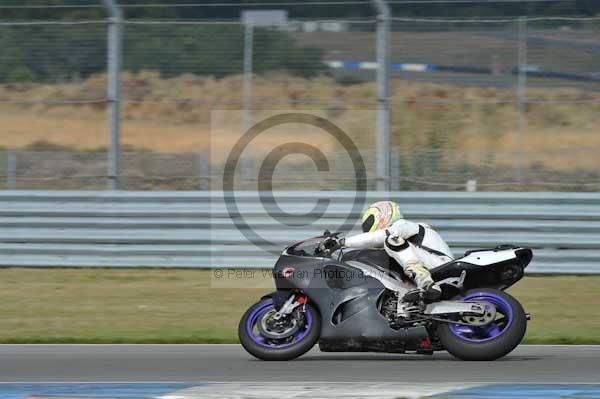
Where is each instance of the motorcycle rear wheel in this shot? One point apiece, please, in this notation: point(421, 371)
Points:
point(298, 343)
point(488, 342)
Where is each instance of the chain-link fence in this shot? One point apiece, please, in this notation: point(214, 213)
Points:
point(424, 169)
point(510, 104)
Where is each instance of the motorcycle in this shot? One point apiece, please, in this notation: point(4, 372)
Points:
point(360, 301)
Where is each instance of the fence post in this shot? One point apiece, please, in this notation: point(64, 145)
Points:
point(115, 33)
point(249, 172)
point(11, 170)
point(471, 186)
point(204, 170)
point(248, 55)
point(395, 169)
point(383, 107)
point(521, 96)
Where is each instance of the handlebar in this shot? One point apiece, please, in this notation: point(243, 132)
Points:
point(316, 246)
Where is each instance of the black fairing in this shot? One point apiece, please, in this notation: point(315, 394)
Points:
point(347, 302)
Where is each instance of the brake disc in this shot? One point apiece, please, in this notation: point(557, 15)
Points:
point(272, 328)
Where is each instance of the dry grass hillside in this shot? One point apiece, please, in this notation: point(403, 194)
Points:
point(174, 115)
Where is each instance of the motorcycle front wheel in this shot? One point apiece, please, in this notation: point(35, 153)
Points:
point(286, 339)
point(491, 341)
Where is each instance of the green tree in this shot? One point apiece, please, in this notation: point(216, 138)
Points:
point(58, 52)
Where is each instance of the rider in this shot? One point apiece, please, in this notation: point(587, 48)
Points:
point(415, 246)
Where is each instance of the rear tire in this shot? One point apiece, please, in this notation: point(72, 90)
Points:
point(494, 346)
point(262, 350)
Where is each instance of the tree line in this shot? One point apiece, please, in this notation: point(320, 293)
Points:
point(44, 53)
point(51, 52)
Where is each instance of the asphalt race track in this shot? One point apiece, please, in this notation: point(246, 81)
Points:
point(229, 363)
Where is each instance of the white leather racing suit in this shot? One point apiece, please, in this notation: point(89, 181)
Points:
point(415, 246)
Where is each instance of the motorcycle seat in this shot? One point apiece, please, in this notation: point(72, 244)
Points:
point(453, 268)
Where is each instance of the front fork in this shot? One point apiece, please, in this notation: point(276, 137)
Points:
point(285, 302)
point(292, 303)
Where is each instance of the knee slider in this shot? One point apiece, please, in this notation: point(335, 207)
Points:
point(418, 272)
point(417, 267)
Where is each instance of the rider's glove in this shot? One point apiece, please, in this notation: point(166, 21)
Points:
point(333, 244)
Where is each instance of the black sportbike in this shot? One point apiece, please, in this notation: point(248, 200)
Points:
point(360, 301)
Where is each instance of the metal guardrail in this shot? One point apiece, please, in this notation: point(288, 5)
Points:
point(194, 229)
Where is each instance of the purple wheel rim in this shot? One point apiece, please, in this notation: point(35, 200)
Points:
point(258, 312)
point(490, 331)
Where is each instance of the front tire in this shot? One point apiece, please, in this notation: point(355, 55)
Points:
point(488, 342)
point(300, 342)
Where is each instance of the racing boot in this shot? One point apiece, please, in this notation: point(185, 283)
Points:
point(420, 275)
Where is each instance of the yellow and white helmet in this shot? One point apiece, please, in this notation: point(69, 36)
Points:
point(380, 215)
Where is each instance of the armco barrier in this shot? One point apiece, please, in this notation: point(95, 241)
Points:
point(195, 229)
